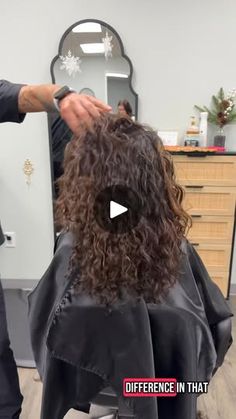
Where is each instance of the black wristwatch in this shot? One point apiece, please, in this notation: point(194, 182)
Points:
point(60, 94)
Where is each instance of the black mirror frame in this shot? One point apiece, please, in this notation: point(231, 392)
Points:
point(121, 48)
point(54, 82)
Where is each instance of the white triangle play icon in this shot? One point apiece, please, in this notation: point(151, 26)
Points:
point(116, 209)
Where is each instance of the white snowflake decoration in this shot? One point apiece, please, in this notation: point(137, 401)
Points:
point(107, 45)
point(71, 64)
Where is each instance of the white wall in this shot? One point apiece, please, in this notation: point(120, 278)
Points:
point(92, 74)
point(182, 52)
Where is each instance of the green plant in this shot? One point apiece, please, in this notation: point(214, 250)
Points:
point(223, 108)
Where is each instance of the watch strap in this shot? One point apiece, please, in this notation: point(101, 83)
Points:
point(61, 94)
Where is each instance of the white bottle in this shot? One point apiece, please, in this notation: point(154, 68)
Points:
point(203, 128)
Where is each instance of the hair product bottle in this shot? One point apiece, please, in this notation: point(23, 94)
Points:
point(192, 137)
point(203, 128)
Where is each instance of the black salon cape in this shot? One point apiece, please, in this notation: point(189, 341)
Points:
point(81, 347)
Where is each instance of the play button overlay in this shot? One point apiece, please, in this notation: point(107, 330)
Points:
point(117, 209)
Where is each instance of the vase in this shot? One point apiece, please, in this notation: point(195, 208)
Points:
point(219, 138)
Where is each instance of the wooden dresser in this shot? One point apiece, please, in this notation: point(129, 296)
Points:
point(210, 196)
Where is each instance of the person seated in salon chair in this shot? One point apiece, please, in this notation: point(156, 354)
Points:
point(122, 298)
point(124, 108)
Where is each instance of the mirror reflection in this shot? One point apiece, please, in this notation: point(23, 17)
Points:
point(91, 60)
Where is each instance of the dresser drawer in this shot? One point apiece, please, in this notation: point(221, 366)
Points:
point(221, 279)
point(210, 200)
point(215, 257)
point(209, 170)
point(207, 229)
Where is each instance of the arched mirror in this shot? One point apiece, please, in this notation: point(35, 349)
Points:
point(92, 61)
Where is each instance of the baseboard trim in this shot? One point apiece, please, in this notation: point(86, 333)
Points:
point(25, 284)
point(232, 289)
point(25, 363)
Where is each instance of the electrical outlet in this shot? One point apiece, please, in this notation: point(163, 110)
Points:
point(10, 239)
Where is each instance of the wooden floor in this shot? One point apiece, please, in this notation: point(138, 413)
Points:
point(219, 403)
point(32, 390)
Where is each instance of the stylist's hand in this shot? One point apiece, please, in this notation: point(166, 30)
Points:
point(80, 110)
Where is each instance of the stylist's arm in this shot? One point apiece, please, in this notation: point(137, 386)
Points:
point(75, 109)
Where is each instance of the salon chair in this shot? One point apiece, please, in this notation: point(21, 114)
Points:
point(118, 410)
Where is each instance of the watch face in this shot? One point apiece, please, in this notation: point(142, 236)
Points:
point(62, 92)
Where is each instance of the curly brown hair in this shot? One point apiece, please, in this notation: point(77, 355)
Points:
point(144, 261)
